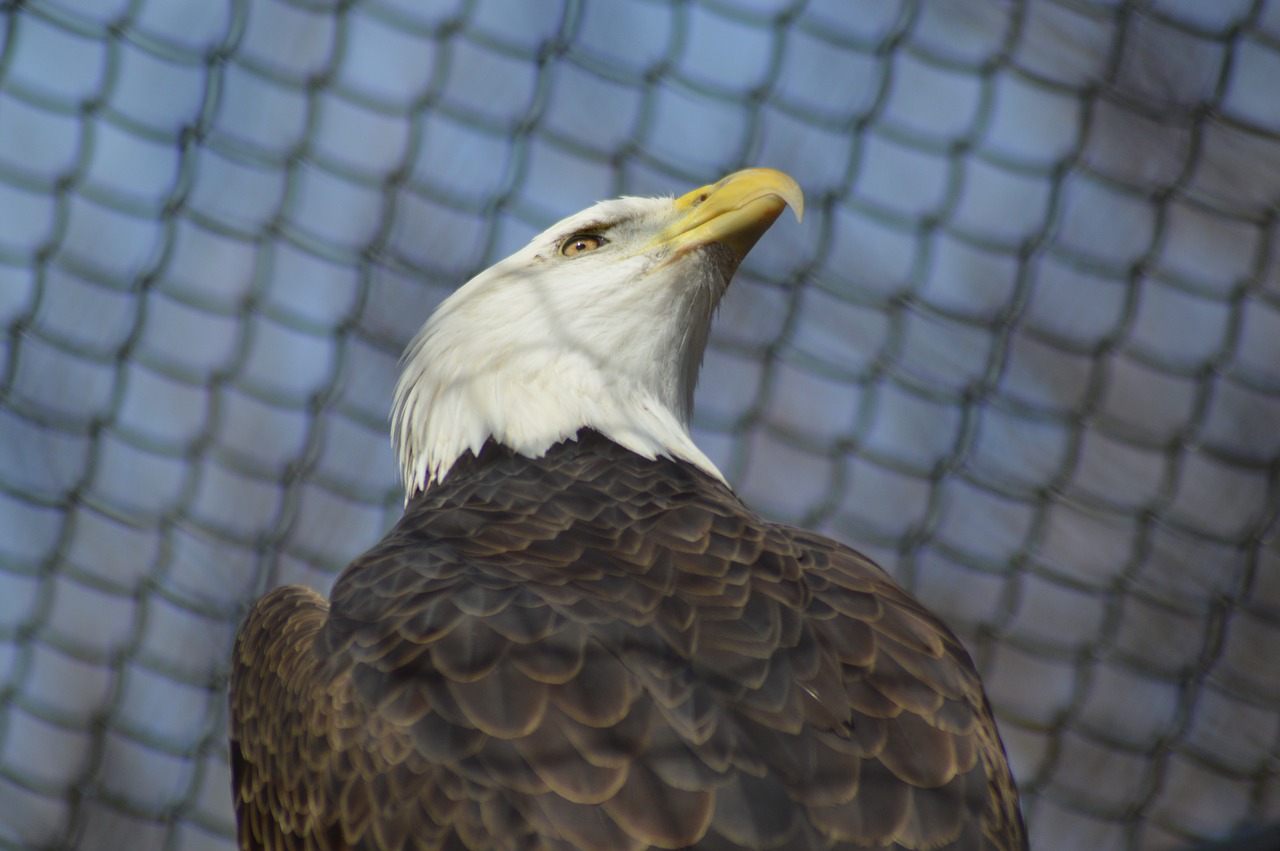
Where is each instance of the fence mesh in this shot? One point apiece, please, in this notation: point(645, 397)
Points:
point(1025, 349)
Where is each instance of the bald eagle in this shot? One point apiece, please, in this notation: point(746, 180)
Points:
point(578, 636)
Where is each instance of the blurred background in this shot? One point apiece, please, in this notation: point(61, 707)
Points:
point(1024, 350)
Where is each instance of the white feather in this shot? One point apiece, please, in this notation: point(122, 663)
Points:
point(542, 345)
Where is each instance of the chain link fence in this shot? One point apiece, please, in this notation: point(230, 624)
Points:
point(1025, 349)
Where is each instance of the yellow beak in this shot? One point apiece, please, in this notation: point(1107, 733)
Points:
point(734, 212)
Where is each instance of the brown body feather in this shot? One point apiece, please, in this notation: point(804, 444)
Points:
point(598, 651)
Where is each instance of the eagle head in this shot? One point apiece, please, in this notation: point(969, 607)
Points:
point(599, 322)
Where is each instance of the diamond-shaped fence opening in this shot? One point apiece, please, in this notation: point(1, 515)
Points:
point(1025, 349)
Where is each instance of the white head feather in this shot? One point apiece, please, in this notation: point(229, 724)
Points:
point(542, 344)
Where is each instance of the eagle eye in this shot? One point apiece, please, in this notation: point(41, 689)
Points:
point(581, 243)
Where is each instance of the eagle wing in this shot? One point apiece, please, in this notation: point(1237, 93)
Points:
point(599, 651)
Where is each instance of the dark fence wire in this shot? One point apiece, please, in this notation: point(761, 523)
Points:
point(1025, 349)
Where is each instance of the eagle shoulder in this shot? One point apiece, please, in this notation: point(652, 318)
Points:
point(594, 650)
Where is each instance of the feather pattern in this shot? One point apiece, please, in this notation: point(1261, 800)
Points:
point(622, 655)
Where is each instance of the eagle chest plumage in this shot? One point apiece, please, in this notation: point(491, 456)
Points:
point(595, 650)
